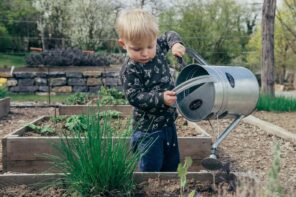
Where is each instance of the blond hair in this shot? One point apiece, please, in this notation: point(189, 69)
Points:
point(136, 25)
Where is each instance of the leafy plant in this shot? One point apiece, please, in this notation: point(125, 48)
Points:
point(182, 173)
point(3, 92)
point(109, 113)
point(57, 119)
point(78, 98)
point(111, 96)
point(93, 165)
point(76, 123)
point(45, 130)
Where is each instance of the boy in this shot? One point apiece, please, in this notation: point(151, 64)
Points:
point(147, 82)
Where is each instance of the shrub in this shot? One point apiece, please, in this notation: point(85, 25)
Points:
point(66, 57)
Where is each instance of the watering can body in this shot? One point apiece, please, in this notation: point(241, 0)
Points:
point(231, 91)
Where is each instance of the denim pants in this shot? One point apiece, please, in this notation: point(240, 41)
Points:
point(159, 149)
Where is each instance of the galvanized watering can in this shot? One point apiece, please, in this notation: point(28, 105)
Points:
point(211, 92)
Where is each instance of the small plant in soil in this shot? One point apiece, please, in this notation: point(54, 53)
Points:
point(274, 187)
point(45, 130)
point(182, 173)
point(111, 96)
point(93, 163)
point(78, 98)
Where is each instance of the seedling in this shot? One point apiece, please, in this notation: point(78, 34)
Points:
point(46, 130)
point(182, 173)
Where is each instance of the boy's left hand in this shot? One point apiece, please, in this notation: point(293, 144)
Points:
point(178, 50)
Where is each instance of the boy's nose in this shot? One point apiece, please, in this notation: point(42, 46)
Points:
point(144, 52)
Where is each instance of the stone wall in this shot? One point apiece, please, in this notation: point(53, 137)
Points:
point(62, 82)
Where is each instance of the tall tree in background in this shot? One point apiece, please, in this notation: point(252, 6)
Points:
point(267, 62)
point(219, 29)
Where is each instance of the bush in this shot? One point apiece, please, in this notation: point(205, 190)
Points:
point(66, 57)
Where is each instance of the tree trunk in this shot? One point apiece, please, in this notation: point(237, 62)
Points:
point(267, 61)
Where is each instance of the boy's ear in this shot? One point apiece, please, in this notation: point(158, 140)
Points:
point(121, 43)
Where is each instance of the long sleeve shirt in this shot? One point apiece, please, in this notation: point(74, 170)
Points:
point(144, 86)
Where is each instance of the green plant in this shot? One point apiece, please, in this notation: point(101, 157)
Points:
point(78, 98)
point(3, 92)
point(76, 123)
point(57, 119)
point(280, 104)
point(45, 130)
point(110, 113)
point(94, 163)
point(111, 96)
point(274, 187)
point(182, 173)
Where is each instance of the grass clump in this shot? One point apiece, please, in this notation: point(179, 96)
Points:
point(278, 104)
point(94, 163)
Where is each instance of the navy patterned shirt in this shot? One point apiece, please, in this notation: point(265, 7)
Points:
point(144, 85)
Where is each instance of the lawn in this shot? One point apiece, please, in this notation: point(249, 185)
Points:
point(33, 97)
point(12, 60)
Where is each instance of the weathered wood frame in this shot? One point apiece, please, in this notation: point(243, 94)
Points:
point(23, 154)
point(4, 106)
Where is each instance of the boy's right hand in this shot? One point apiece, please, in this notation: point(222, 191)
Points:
point(169, 98)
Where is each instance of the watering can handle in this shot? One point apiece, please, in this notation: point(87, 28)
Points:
point(193, 82)
point(193, 54)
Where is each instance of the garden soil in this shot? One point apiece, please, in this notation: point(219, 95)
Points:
point(247, 148)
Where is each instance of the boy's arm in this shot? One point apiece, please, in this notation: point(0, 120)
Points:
point(168, 39)
point(152, 102)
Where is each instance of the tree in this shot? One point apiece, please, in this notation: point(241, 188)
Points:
point(17, 18)
point(267, 62)
point(52, 21)
point(216, 29)
point(285, 21)
point(92, 23)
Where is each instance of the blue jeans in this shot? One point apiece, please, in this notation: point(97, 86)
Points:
point(159, 149)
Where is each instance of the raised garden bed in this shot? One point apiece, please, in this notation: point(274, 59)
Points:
point(4, 106)
point(147, 184)
point(22, 153)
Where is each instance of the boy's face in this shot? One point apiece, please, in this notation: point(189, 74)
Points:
point(140, 52)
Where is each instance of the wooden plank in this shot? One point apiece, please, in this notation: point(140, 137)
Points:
point(38, 180)
point(29, 148)
point(30, 166)
point(271, 128)
point(4, 106)
point(34, 180)
point(86, 109)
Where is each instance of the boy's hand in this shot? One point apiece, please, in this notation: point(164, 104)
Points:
point(178, 50)
point(169, 98)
